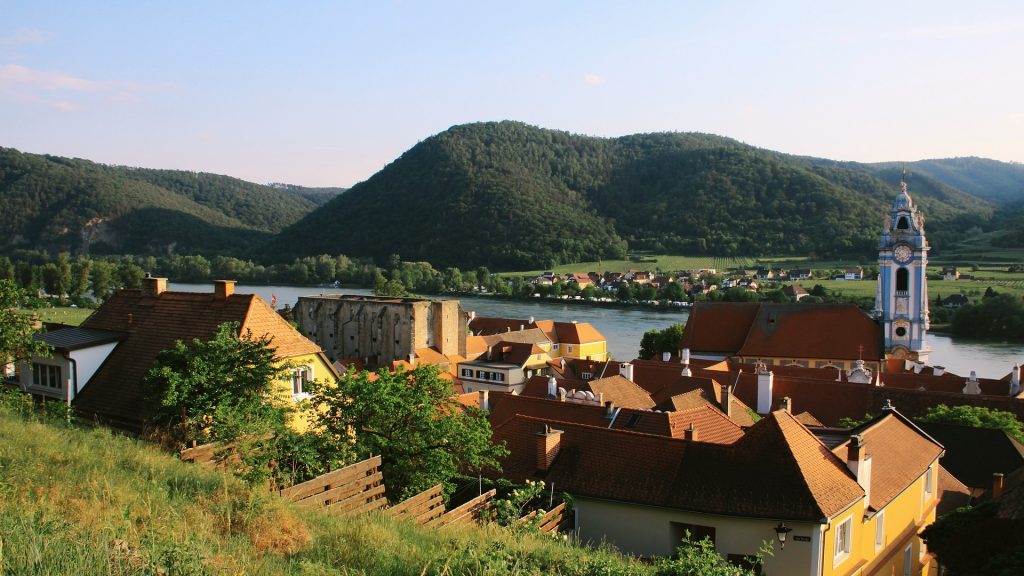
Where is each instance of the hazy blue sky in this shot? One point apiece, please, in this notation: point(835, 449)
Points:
point(327, 93)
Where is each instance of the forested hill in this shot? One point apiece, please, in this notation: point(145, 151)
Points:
point(54, 203)
point(512, 196)
point(997, 182)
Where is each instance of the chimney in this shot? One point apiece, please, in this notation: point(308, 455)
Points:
point(223, 288)
point(609, 408)
point(666, 356)
point(472, 315)
point(153, 286)
point(485, 401)
point(786, 404)
point(522, 327)
point(530, 320)
point(548, 443)
point(859, 462)
point(690, 433)
point(552, 387)
point(684, 356)
point(626, 369)
point(412, 360)
point(726, 400)
point(686, 371)
point(562, 394)
point(997, 485)
point(1015, 380)
point(938, 370)
point(765, 385)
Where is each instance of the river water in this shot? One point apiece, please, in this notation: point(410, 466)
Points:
point(625, 326)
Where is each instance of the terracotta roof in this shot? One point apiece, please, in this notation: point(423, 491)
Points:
point(813, 331)
point(709, 423)
point(519, 353)
point(487, 326)
point(530, 335)
point(153, 324)
point(475, 346)
point(718, 326)
point(577, 333)
point(797, 477)
point(900, 453)
point(622, 392)
point(808, 419)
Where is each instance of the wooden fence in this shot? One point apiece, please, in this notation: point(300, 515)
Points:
point(351, 490)
point(360, 488)
point(555, 520)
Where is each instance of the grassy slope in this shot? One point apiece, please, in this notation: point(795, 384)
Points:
point(76, 501)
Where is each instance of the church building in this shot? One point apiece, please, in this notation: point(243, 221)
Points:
point(901, 300)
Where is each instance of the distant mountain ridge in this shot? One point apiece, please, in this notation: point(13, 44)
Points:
point(53, 203)
point(512, 196)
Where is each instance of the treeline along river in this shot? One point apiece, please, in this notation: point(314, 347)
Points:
point(625, 326)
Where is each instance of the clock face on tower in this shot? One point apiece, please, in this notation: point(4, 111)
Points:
point(903, 253)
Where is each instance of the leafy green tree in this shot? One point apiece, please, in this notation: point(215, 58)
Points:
point(998, 315)
point(625, 292)
point(393, 287)
point(81, 270)
point(17, 330)
point(976, 417)
point(213, 390)
point(102, 279)
point(414, 421)
point(655, 342)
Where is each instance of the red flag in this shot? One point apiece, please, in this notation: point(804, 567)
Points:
point(273, 300)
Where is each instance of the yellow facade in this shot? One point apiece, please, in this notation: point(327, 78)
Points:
point(885, 552)
point(302, 370)
point(596, 351)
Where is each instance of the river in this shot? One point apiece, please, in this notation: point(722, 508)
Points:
point(625, 326)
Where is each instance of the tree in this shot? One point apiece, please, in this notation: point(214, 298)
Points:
point(414, 421)
point(654, 342)
point(17, 331)
point(207, 391)
point(976, 417)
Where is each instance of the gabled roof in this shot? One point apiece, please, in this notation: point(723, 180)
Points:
point(841, 331)
point(796, 477)
point(718, 326)
point(974, 454)
point(900, 453)
point(154, 323)
point(622, 392)
point(577, 333)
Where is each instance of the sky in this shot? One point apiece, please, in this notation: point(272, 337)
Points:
point(328, 93)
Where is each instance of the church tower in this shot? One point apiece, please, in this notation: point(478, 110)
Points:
point(901, 300)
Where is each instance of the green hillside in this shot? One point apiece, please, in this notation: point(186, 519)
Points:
point(512, 196)
point(54, 204)
point(86, 501)
point(997, 182)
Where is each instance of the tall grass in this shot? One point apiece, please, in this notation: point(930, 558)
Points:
point(77, 500)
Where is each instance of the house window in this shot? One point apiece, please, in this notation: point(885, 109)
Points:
point(554, 346)
point(843, 539)
point(467, 373)
point(879, 530)
point(587, 376)
point(693, 532)
point(929, 478)
point(300, 381)
point(47, 376)
point(570, 349)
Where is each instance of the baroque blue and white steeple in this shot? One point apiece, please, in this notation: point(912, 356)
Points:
point(901, 300)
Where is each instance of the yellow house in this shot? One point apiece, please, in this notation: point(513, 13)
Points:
point(152, 319)
point(854, 508)
point(570, 340)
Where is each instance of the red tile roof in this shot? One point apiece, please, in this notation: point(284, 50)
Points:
point(900, 453)
point(718, 326)
point(841, 331)
point(577, 333)
point(797, 477)
point(622, 392)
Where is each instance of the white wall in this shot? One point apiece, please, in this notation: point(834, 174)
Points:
point(89, 361)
